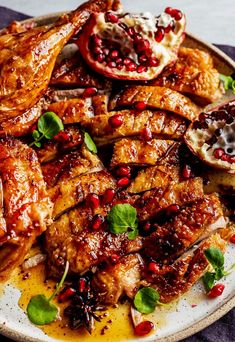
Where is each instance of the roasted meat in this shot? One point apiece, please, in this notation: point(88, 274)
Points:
point(193, 74)
point(158, 98)
point(122, 278)
point(161, 124)
point(25, 206)
point(192, 223)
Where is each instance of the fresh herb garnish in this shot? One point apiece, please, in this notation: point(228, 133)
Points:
point(89, 143)
point(216, 259)
point(146, 300)
point(49, 125)
point(228, 81)
point(122, 218)
point(40, 310)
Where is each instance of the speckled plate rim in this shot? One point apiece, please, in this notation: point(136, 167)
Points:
point(222, 62)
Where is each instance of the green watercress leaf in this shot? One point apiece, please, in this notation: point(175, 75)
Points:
point(208, 280)
point(40, 310)
point(215, 257)
point(36, 134)
point(49, 124)
point(121, 218)
point(227, 81)
point(89, 143)
point(146, 299)
point(37, 143)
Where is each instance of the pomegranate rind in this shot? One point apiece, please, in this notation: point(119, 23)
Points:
point(165, 51)
point(197, 138)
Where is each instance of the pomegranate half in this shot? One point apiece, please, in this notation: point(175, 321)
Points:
point(212, 137)
point(131, 46)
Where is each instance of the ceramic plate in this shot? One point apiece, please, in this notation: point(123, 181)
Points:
point(192, 313)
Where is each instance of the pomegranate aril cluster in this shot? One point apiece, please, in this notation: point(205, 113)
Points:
point(124, 174)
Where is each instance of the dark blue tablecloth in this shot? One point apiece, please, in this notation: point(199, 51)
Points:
point(224, 329)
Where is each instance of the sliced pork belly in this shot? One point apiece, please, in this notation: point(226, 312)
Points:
point(123, 278)
point(162, 125)
point(178, 278)
point(183, 193)
point(158, 98)
point(141, 153)
point(192, 74)
point(192, 223)
point(25, 207)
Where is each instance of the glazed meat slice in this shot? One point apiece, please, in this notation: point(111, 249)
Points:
point(158, 98)
point(69, 193)
point(193, 74)
point(188, 269)
point(192, 223)
point(25, 206)
point(156, 200)
point(141, 153)
point(160, 176)
point(71, 165)
point(123, 278)
point(160, 123)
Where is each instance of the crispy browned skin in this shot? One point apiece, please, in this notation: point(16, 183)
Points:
point(187, 270)
point(114, 281)
point(136, 152)
point(159, 176)
point(69, 193)
point(24, 206)
point(175, 237)
point(27, 59)
point(17, 27)
point(183, 193)
point(70, 165)
point(159, 98)
point(192, 74)
point(161, 124)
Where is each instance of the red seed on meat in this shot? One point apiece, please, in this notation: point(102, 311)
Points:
point(115, 121)
point(187, 172)
point(159, 35)
point(91, 91)
point(93, 201)
point(218, 153)
point(123, 182)
point(97, 222)
point(146, 134)
point(153, 267)
point(108, 196)
point(124, 171)
point(111, 17)
point(140, 105)
point(144, 328)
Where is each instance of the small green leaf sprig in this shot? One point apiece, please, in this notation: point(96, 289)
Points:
point(122, 218)
point(40, 310)
point(228, 81)
point(216, 259)
point(89, 143)
point(146, 300)
point(49, 125)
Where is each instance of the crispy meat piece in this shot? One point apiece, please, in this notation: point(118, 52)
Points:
point(123, 278)
point(70, 193)
point(71, 165)
point(183, 193)
point(17, 27)
point(141, 153)
point(161, 124)
point(25, 206)
point(192, 223)
point(192, 74)
point(160, 176)
point(158, 98)
point(188, 269)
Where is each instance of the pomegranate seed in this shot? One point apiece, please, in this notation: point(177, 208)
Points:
point(89, 92)
point(172, 210)
point(187, 172)
point(124, 171)
point(112, 65)
point(127, 61)
point(143, 59)
point(124, 181)
point(66, 294)
point(203, 117)
point(93, 201)
point(100, 58)
point(232, 239)
point(146, 134)
point(131, 31)
point(119, 66)
point(114, 54)
point(131, 67)
point(112, 18)
point(108, 196)
point(193, 305)
point(62, 137)
point(218, 153)
point(141, 68)
point(97, 50)
point(147, 226)
point(232, 159)
point(119, 60)
point(81, 284)
point(142, 45)
point(225, 157)
point(115, 121)
point(143, 328)
point(169, 10)
point(159, 35)
point(97, 222)
point(153, 267)
point(153, 62)
point(114, 258)
point(216, 291)
point(106, 51)
point(140, 105)
point(96, 40)
point(176, 14)
point(168, 28)
point(137, 38)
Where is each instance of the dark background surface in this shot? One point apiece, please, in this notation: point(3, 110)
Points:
point(224, 329)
